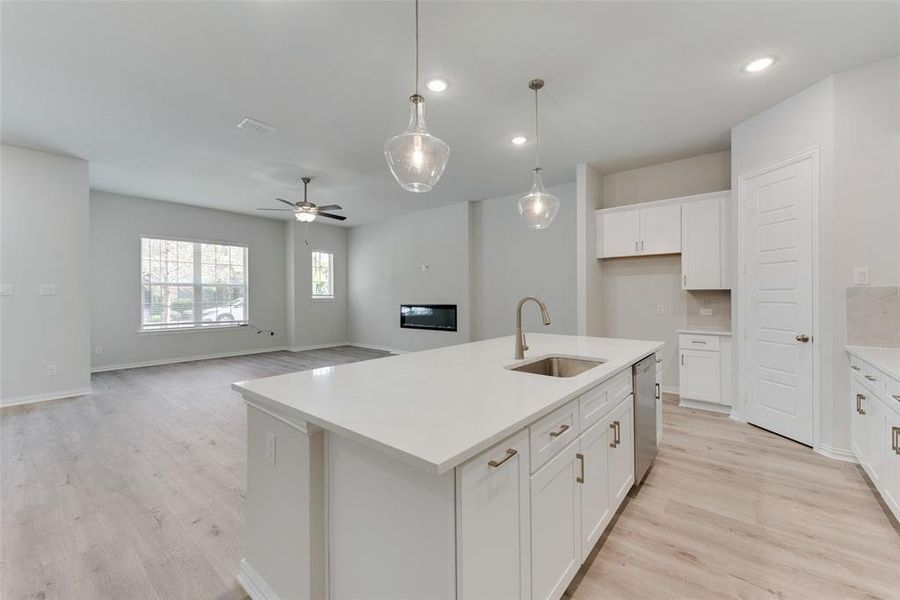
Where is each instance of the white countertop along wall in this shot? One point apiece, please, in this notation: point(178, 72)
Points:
point(438, 408)
point(885, 359)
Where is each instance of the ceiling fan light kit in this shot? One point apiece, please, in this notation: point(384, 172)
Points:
point(415, 157)
point(538, 207)
point(306, 211)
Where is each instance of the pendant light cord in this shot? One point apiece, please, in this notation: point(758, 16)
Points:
point(537, 135)
point(417, 47)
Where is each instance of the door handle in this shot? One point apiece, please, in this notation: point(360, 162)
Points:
point(562, 430)
point(802, 338)
point(580, 457)
point(657, 392)
point(509, 454)
point(859, 408)
point(614, 443)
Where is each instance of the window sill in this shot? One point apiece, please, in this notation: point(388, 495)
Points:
point(195, 329)
point(323, 298)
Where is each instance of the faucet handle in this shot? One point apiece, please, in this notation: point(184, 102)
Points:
point(524, 342)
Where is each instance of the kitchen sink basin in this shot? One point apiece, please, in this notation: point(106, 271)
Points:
point(558, 366)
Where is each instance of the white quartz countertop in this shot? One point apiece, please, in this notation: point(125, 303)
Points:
point(438, 408)
point(705, 331)
point(885, 359)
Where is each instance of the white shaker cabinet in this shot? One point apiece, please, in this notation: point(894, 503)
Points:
point(704, 257)
point(619, 234)
point(704, 370)
point(494, 521)
point(653, 229)
point(555, 524)
point(661, 229)
point(698, 373)
point(858, 433)
point(621, 451)
point(596, 507)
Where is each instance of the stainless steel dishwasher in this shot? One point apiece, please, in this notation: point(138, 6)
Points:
point(644, 373)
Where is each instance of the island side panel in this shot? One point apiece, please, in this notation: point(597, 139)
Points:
point(285, 534)
point(391, 526)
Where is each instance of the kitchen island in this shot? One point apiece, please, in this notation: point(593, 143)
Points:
point(437, 474)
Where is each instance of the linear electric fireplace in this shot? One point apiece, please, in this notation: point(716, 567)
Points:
point(441, 317)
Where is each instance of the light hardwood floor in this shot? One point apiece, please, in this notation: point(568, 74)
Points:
point(136, 491)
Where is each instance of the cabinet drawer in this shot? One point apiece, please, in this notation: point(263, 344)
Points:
point(689, 341)
point(597, 402)
point(553, 433)
point(892, 394)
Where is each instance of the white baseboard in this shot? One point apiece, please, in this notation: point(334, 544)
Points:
point(707, 406)
point(255, 586)
point(33, 398)
point(375, 347)
point(841, 454)
point(668, 389)
point(169, 361)
point(318, 346)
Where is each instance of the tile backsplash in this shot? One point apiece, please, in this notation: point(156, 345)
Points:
point(717, 300)
point(873, 316)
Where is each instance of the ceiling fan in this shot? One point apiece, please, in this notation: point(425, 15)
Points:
point(306, 211)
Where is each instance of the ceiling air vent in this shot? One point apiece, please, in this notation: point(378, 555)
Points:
point(256, 126)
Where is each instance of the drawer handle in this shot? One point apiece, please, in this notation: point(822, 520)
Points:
point(580, 457)
point(615, 426)
point(895, 439)
point(657, 392)
point(869, 377)
point(562, 430)
point(896, 397)
point(855, 368)
point(509, 454)
point(698, 342)
point(859, 409)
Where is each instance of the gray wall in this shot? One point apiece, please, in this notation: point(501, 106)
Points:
point(511, 261)
point(117, 223)
point(315, 322)
point(44, 239)
point(632, 288)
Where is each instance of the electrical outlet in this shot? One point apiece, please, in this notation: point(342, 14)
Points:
point(706, 312)
point(270, 447)
point(47, 289)
point(660, 309)
point(98, 350)
point(861, 276)
point(51, 370)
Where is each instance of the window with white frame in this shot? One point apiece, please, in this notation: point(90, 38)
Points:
point(190, 285)
point(322, 274)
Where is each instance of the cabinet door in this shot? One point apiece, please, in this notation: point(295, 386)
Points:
point(858, 415)
point(555, 525)
point(701, 261)
point(619, 233)
point(595, 496)
point(891, 475)
point(661, 229)
point(621, 452)
point(659, 402)
point(876, 438)
point(493, 523)
point(699, 375)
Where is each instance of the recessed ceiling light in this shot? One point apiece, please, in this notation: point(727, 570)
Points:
point(437, 85)
point(760, 64)
point(519, 140)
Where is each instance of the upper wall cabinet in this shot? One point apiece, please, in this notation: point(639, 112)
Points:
point(704, 253)
point(694, 226)
point(629, 231)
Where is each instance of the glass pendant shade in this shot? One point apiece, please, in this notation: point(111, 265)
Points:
point(416, 158)
point(538, 207)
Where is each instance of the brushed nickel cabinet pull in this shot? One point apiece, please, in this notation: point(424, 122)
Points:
point(684, 278)
point(869, 377)
point(682, 359)
point(562, 430)
point(859, 408)
point(698, 342)
point(635, 245)
point(895, 439)
point(580, 457)
point(642, 245)
point(618, 432)
point(657, 391)
point(509, 454)
point(855, 368)
point(896, 397)
point(613, 443)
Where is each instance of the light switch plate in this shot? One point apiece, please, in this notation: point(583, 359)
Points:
point(861, 276)
point(7, 289)
point(47, 289)
point(660, 309)
point(706, 312)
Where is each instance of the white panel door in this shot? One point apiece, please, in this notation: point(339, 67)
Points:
point(699, 375)
point(777, 227)
point(858, 433)
point(620, 233)
point(701, 264)
point(661, 229)
point(555, 524)
point(595, 506)
point(493, 523)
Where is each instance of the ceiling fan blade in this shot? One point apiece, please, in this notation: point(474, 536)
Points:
point(279, 209)
point(286, 202)
point(330, 207)
point(331, 216)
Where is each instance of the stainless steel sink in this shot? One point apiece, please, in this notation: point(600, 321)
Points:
point(558, 366)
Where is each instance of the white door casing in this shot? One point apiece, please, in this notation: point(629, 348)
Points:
point(778, 303)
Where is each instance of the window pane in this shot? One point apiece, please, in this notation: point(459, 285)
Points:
point(322, 274)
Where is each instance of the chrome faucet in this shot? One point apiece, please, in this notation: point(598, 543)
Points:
point(521, 346)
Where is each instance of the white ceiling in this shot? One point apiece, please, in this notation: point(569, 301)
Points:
point(150, 92)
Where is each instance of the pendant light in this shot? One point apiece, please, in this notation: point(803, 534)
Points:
point(538, 207)
point(416, 158)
